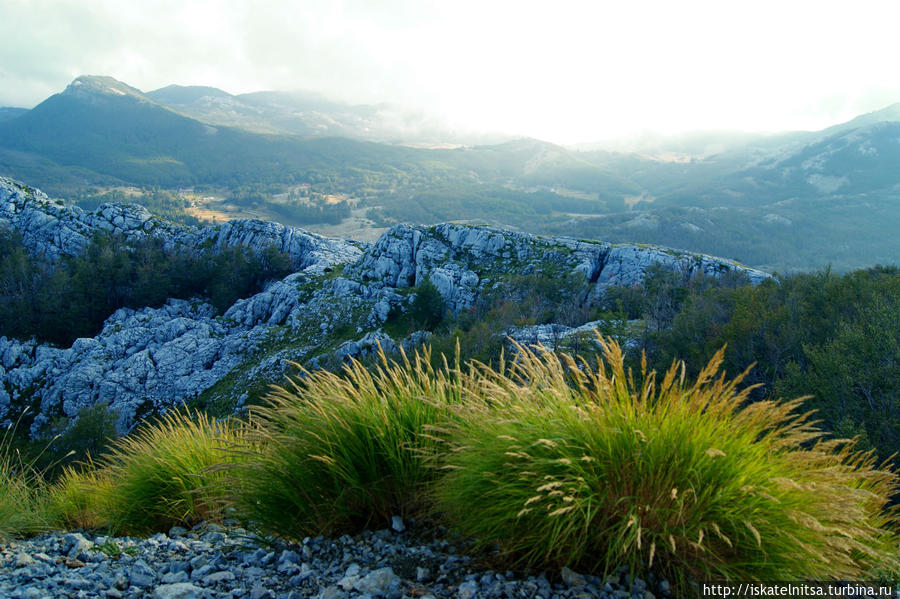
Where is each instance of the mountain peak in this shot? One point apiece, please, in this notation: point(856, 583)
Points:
point(97, 84)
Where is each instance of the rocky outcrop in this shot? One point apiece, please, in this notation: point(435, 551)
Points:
point(554, 336)
point(328, 311)
point(50, 228)
point(141, 361)
point(462, 260)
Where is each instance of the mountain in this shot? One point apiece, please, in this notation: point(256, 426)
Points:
point(104, 127)
point(9, 112)
point(100, 131)
point(185, 95)
point(787, 202)
point(339, 303)
point(888, 114)
point(311, 114)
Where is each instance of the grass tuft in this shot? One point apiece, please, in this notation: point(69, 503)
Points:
point(23, 508)
point(565, 464)
point(162, 475)
point(339, 452)
point(78, 498)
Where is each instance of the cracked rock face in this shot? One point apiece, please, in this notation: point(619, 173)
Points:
point(151, 359)
point(459, 260)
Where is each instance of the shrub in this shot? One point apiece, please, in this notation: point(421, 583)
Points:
point(163, 474)
point(337, 453)
point(562, 464)
point(428, 308)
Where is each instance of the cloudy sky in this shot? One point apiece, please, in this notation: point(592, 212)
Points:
point(561, 70)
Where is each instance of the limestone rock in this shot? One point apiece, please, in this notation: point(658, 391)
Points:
point(50, 228)
point(152, 359)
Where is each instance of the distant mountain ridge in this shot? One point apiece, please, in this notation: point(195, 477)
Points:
point(311, 114)
point(790, 201)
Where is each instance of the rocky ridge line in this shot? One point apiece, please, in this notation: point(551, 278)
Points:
point(50, 228)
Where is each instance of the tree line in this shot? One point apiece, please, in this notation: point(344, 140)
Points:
point(59, 301)
point(834, 338)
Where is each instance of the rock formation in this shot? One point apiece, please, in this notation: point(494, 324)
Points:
point(151, 359)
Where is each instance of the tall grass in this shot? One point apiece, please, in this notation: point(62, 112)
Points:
point(79, 497)
point(162, 475)
point(563, 463)
point(338, 452)
point(23, 508)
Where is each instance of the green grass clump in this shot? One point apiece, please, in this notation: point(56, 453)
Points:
point(23, 509)
point(162, 475)
point(338, 452)
point(564, 464)
point(78, 498)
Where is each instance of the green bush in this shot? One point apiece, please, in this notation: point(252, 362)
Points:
point(79, 498)
point(337, 453)
point(162, 475)
point(563, 464)
point(428, 308)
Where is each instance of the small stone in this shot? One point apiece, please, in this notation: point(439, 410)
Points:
point(77, 544)
point(348, 582)
point(217, 577)
point(423, 574)
point(180, 590)
point(379, 583)
point(289, 557)
point(468, 590)
point(213, 538)
point(120, 582)
point(288, 569)
point(397, 524)
point(261, 592)
point(175, 577)
point(141, 575)
point(23, 559)
point(71, 562)
point(33, 593)
point(572, 578)
point(332, 592)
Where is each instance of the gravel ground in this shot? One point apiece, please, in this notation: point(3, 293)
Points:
point(214, 562)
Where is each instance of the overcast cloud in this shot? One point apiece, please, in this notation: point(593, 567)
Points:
point(564, 71)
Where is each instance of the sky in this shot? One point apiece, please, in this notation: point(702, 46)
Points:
point(564, 71)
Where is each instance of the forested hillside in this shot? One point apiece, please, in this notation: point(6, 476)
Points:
point(60, 301)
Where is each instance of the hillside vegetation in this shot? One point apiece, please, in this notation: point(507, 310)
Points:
point(60, 301)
